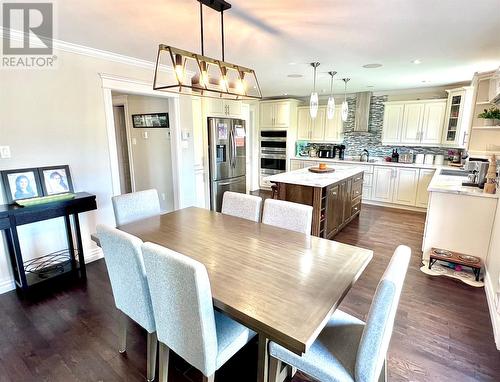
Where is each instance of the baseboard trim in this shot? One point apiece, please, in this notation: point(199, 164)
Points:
point(495, 317)
point(392, 205)
point(92, 254)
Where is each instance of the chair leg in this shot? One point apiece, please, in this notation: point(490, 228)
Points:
point(122, 347)
point(274, 369)
point(383, 373)
point(209, 379)
point(164, 350)
point(152, 346)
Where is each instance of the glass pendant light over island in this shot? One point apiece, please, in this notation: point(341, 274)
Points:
point(199, 75)
point(330, 106)
point(313, 101)
point(345, 107)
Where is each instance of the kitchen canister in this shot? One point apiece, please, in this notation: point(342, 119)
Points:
point(439, 160)
point(429, 159)
point(419, 159)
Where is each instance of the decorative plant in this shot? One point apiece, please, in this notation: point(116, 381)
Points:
point(493, 113)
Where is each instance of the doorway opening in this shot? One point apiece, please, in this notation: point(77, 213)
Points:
point(143, 149)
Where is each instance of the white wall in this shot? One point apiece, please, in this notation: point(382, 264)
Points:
point(492, 281)
point(57, 116)
point(151, 156)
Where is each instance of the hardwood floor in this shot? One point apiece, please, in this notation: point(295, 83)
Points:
point(442, 332)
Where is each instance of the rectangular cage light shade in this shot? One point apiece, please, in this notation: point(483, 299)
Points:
point(183, 72)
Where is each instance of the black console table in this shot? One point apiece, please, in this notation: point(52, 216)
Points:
point(71, 260)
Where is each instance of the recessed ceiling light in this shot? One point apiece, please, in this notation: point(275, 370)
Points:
point(370, 86)
point(424, 81)
point(295, 75)
point(292, 63)
point(416, 62)
point(372, 66)
point(285, 94)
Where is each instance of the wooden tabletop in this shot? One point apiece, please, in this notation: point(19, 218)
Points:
point(279, 283)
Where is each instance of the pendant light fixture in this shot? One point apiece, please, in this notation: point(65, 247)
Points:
point(345, 107)
point(199, 75)
point(330, 106)
point(313, 101)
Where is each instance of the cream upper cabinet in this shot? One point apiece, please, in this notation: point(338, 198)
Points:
point(266, 115)
point(318, 125)
point(432, 126)
point(222, 108)
point(405, 186)
point(383, 184)
point(457, 117)
point(282, 114)
point(393, 120)
point(303, 124)
point(412, 122)
point(277, 114)
point(424, 179)
point(334, 127)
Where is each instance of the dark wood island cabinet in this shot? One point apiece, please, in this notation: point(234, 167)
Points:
point(335, 197)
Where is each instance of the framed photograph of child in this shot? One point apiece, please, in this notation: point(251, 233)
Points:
point(21, 184)
point(55, 180)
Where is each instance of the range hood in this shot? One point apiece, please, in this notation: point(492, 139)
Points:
point(363, 101)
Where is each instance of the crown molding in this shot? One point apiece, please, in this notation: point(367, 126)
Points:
point(64, 46)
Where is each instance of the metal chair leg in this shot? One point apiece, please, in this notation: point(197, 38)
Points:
point(164, 350)
point(122, 347)
point(152, 346)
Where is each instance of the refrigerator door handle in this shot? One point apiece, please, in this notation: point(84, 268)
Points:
point(233, 147)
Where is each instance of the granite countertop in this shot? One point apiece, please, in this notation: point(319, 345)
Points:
point(453, 185)
point(379, 162)
point(304, 177)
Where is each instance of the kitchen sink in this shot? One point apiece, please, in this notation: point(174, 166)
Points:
point(454, 172)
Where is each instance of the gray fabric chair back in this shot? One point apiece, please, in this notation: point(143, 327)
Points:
point(182, 304)
point(293, 216)
point(378, 330)
point(123, 257)
point(241, 205)
point(135, 206)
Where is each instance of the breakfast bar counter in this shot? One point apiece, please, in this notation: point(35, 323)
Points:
point(335, 196)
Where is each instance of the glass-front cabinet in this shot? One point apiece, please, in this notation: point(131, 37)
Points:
point(456, 129)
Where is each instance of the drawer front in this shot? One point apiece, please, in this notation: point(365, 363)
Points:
point(367, 169)
point(357, 188)
point(356, 206)
point(367, 180)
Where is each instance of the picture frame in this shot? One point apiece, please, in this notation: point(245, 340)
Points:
point(23, 183)
point(150, 121)
point(55, 180)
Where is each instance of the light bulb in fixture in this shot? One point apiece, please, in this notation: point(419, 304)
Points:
point(313, 101)
point(204, 79)
point(313, 105)
point(223, 80)
point(345, 107)
point(179, 68)
point(240, 84)
point(330, 106)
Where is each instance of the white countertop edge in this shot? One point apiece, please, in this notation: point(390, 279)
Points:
point(378, 163)
point(304, 177)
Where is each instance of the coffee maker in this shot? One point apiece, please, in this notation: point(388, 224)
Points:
point(338, 151)
point(477, 169)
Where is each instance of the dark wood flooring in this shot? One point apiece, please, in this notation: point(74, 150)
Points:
point(442, 332)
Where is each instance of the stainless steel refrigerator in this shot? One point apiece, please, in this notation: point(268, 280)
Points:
point(227, 158)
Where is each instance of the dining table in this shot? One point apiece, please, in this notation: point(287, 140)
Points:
point(282, 284)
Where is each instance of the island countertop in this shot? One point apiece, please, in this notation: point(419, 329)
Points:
point(304, 177)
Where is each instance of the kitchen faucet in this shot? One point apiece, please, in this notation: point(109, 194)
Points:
point(363, 154)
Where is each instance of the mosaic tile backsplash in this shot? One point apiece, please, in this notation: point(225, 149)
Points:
point(356, 142)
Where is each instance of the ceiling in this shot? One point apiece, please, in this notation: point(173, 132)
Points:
point(452, 38)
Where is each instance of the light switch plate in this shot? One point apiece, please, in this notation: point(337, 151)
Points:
point(5, 152)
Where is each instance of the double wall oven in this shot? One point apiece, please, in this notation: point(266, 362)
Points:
point(272, 154)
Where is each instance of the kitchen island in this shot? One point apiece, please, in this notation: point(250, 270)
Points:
point(335, 196)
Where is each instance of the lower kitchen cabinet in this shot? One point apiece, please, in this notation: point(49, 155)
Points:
point(405, 186)
point(333, 206)
point(424, 179)
point(383, 184)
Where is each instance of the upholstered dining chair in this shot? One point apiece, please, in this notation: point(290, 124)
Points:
point(288, 215)
point(186, 321)
point(241, 205)
point(135, 206)
point(123, 257)
point(348, 349)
